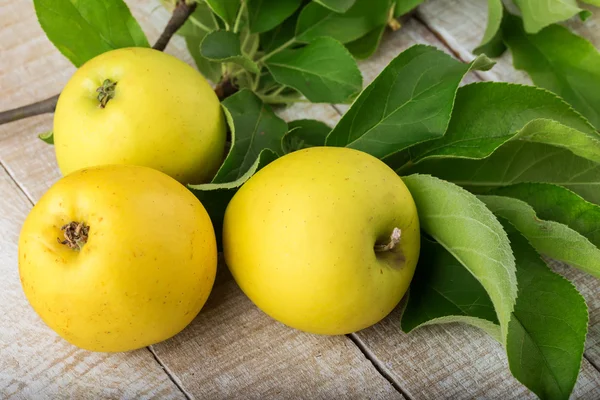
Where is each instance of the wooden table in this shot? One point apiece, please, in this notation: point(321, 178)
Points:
point(232, 350)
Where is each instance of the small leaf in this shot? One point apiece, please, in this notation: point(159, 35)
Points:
point(546, 334)
point(267, 14)
point(469, 231)
point(210, 69)
point(324, 71)
point(517, 162)
point(339, 6)
point(555, 203)
point(488, 114)
point(365, 15)
point(444, 291)
point(560, 61)
point(225, 46)
point(548, 237)
point(216, 196)
point(408, 103)
point(81, 30)
point(538, 14)
point(492, 43)
point(405, 6)
point(365, 46)
point(201, 22)
point(227, 10)
point(254, 128)
point(304, 133)
point(47, 137)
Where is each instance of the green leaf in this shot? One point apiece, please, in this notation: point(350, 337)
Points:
point(492, 43)
point(265, 15)
point(323, 71)
point(339, 6)
point(538, 14)
point(280, 35)
point(201, 22)
point(365, 15)
point(216, 196)
point(227, 10)
point(47, 137)
point(560, 61)
point(546, 334)
point(555, 203)
point(81, 30)
point(408, 103)
point(365, 46)
point(225, 46)
point(254, 128)
point(517, 162)
point(548, 237)
point(405, 6)
point(444, 291)
point(304, 133)
point(469, 231)
point(488, 114)
point(210, 69)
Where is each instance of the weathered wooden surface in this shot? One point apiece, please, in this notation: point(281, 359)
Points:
point(231, 350)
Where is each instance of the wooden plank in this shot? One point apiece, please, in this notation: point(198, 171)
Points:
point(34, 361)
point(462, 24)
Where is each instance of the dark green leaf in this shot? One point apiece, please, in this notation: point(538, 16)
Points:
point(304, 133)
point(267, 14)
point(225, 46)
point(517, 162)
point(464, 226)
point(254, 127)
point(210, 69)
point(323, 71)
point(488, 114)
point(405, 6)
point(365, 46)
point(560, 61)
point(546, 334)
point(365, 15)
point(280, 35)
point(442, 291)
point(492, 43)
point(216, 196)
point(339, 6)
point(555, 203)
point(548, 237)
point(227, 10)
point(408, 103)
point(538, 14)
point(82, 30)
point(47, 137)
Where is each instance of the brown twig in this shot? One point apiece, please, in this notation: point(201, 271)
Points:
point(30, 110)
point(225, 88)
point(180, 14)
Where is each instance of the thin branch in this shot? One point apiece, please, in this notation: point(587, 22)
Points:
point(180, 14)
point(30, 110)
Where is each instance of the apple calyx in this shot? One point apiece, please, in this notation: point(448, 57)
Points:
point(76, 235)
point(106, 92)
point(393, 242)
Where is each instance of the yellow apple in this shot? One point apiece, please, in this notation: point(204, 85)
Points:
point(324, 240)
point(115, 258)
point(142, 107)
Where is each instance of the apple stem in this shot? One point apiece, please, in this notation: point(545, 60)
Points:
point(393, 242)
point(76, 235)
point(106, 92)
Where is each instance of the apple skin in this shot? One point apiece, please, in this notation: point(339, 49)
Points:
point(299, 240)
point(164, 115)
